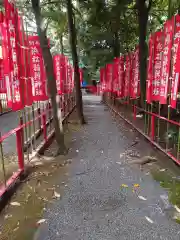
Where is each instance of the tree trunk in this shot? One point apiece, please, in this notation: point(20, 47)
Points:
point(142, 21)
point(169, 9)
point(51, 82)
point(61, 43)
point(73, 41)
point(116, 45)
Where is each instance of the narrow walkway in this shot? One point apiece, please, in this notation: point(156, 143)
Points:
point(94, 205)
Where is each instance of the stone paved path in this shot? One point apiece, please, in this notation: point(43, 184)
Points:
point(94, 206)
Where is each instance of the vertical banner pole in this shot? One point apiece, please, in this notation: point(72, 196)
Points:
point(2, 161)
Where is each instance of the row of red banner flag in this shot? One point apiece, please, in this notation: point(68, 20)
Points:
point(164, 63)
point(122, 76)
point(163, 71)
point(22, 70)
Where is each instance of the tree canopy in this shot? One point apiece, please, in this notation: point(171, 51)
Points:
point(105, 28)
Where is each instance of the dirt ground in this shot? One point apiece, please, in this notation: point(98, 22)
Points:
point(19, 220)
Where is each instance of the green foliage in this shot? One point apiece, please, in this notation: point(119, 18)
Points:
point(104, 28)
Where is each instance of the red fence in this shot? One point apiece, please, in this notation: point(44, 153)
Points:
point(27, 139)
point(157, 129)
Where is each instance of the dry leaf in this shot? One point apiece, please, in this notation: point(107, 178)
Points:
point(177, 209)
point(8, 216)
point(124, 185)
point(118, 163)
point(136, 185)
point(56, 195)
point(142, 198)
point(162, 170)
point(15, 204)
point(41, 221)
point(149, 220)
point(15, 229)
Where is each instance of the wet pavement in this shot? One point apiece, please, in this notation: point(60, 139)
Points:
point(107, 197)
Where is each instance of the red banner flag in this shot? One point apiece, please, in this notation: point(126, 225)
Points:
point(16, 83)
point(127, 76)
point(136, 91)
point(150, 70)
point(81, 75)
point(70, 78)
point(166, 60)
point(110, 77)
point(121, 78)
point(102, 80)
point(2, 78)
point(156, 82)
point(38, 75)
point(57, 72)
point(175, 63)
point(63, 73)
point(115, 75)
point(135, 79)
point(65, 81)
point(25, 62)
point(131, 78)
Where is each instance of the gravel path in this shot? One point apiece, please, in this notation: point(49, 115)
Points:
point(95, 205)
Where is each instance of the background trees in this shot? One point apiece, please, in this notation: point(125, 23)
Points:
point(103, 30)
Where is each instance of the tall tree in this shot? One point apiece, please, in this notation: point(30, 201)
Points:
point(73, 43)
point(143, 8)
point(51, 82)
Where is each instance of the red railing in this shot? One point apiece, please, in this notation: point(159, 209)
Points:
point(151, 125)
point(27, 146)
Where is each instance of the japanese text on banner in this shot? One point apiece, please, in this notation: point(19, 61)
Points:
point(150, 70)
point(127, 77)
point(165, 70)
point(135, 84)
point(38, 75)
point(175, 63)
point(158, 46)
point(14, 79)
point(121, 78)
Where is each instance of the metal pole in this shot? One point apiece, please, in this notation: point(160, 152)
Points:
point(2, 161)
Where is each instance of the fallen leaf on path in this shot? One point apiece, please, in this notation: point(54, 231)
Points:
point(162, 170)
point(56, 195)
point(41, 221)
point(124, 185)
point(136, 185)
point(50, 189)
point(118, 163)
point(149, 220)
point(15, 204)
point(15, 229)
point(177, 209)
point(8, 216)
point(142, 198)
point(139, 116)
